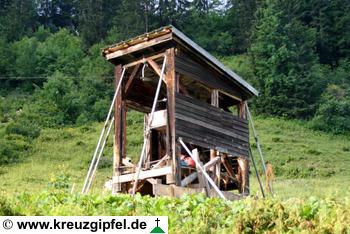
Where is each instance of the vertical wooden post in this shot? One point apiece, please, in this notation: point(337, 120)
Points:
point(243, 163)
point(213, 153)
point(217, 170)
point(119, 129)
point(171, 82)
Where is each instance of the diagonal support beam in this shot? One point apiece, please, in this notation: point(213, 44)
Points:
point(131, 78)
point(155, 67)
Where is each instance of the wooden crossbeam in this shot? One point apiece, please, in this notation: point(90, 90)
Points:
point(143, 175)
point(189, 179)
point(144, 59)
point(140, 46)
point(211, 163)
point(162, 161)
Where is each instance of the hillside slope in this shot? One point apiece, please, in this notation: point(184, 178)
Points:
point(306, 162)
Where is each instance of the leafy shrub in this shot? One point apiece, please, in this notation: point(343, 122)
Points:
point(24, 127)
point(11, 147)
point(7, 153)
point(60, 182)
point(334, 111)
point(62, 52)
point(5, 208)
point(100, 109)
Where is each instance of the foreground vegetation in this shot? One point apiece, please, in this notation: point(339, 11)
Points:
point(194, 214)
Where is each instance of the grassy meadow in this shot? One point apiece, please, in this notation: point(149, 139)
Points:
point(306, 163)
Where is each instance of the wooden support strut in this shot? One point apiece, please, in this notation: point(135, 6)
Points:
point(171, 141)
point(119, 134)
point(131, 78)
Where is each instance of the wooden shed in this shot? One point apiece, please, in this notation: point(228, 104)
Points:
point(196, 135)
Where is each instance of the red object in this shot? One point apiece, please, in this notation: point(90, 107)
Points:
point(190, 162)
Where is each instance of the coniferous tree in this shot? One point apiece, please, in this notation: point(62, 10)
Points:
point(17, 18)
point(56, 14)
point(283, 61)
point(239, 20)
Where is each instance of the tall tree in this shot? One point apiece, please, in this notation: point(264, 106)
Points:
point(283, 61)
point(56, 14)
point(239, 20)
point(95, 19)
point(17, 18)
point(331, 19)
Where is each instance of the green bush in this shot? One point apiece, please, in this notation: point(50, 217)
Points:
point(334, 111)
point(5, 208)
point(100, 109)
point(7, 153)
point(11, 148)
point(24, 127)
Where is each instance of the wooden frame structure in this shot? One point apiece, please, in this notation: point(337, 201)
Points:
point(187, 96)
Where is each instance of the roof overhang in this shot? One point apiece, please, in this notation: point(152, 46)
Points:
point(171, 34)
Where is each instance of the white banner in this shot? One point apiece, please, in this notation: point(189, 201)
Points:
point(83, 224)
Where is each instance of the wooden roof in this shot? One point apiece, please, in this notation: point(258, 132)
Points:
point(171, 35)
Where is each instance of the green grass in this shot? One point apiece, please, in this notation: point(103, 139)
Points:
point(297, 152)
point(306, 163)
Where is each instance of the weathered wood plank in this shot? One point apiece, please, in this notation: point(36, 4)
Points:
point(222, 122)
point(205, 107)
point(226, 117)
point(118, 128)
point(159, 119)
point(140, 46)
point(143, 174)
point(171, 82)
point(212, 143)
point(208, 144)
point(210, 135)
point(202, 180)
point(211, 127)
